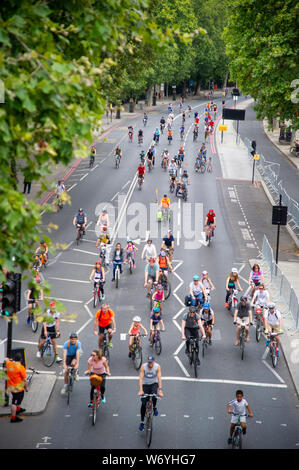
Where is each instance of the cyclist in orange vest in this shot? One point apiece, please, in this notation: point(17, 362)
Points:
point(164, 264)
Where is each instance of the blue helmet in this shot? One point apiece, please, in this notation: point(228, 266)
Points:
point(206, 305)
point(195, 278)
point(156, 310)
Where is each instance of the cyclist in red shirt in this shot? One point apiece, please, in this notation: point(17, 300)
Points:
point(211, 220)
point(141, 171)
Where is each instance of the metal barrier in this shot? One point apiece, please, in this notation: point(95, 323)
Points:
point(282, 291)
point(269, 171)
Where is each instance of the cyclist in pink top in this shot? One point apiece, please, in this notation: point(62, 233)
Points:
point(97, 364)
point(158, 297)
point(130, 251)
point(135, 330)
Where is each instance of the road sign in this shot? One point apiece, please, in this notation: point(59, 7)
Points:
point(256, 156)
point(222, 127)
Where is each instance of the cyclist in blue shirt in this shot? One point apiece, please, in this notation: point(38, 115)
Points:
point(71, 357)
point(80, 219)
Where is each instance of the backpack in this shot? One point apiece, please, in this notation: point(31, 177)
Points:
point(187, 301)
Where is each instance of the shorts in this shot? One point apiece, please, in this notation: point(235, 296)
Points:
point(51, 330)
point(102, 329)
point(17, 398)
point(274, 328)
point(69, 360)
point(152, 278)
point(243, 321)
point(234, 419)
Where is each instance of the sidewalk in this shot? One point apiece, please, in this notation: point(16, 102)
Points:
point(236, 165)
point(273, 136)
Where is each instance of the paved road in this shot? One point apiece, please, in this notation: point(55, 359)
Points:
point(193, 413)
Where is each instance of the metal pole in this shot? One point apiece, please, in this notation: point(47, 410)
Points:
point(8, 354)
point(253, 171)
point(237, 131)
point(277, 242)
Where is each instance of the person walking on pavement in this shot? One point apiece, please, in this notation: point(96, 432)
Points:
point(16, 384)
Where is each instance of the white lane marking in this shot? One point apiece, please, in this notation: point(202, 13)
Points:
point(77, 264)
point(115, 195)
point(182, 367)
point(66, 300)
point(69, 189)
point(179, 348)
point(273, 372)
point(69, 280)
point(126, 184)
point(88, 252)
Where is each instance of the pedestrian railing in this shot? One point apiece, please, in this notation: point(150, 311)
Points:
point(279, 286)
point(269, 171)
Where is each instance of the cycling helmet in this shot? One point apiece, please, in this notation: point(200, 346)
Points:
point(73, 335)
point(206, 305)
point(243, 298)
point(80, 210)
point(162, 253)
point(234, 270)
point(156, 310)
point(159, 287)
point(138, 319)
point(271, 305)
point(165, 195)
point(204, 273)
point(37, 279)
point(195, 278)
point(192, 309)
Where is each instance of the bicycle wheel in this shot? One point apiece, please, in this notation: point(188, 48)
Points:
point(258, 330)
point(34, 323)
point(167, 288)
point(203, 347)
point(242, 345)
point(274, 355)
point(94, 407)
point(69, 387)
point(95, 297)
point(149, 428)
point(78, 237)
point(130, 266)
point(237, 439)
point(158, 346)
point(195, 363)
point(137, 359)
point(48, 354)
point(106, 352)
point(202, 168)
point(116, 277)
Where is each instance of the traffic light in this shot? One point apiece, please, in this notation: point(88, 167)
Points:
point(11, 295)
point(253, 145)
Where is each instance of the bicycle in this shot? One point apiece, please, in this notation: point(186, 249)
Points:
point(169, 139)
point(273, 346)
point(164, 164)
point(195, 135)
point(157, 344)
point(200, 166)
point(30, 377)
point(96, 399)
point(131, 137)
point(130, 263)
point(140, 140)
point(105, 346)
point(117, 161)
point(47, 353)
point(58, 202)
point(172, 186)
point(166, 285)
point(33, 321)
point(237, 434)
point(43, 260)
point(71, 380)
point(232, 300)
point(117, 275)
point(136, 351)
point(79, 233)
point(91, 161)
point(140, 182)
point(149, 413)
point(242, 340)
point(209, 234)
point(205, 341)
point(193, 354)
point(97, 293)
point(259, 327)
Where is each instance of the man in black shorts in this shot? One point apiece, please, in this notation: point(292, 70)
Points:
point(191, 323)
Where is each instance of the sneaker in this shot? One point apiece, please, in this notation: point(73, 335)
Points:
point(244, 431)
point(90, 404)
point(103, 400)
point(28, 321)
point(110, 345)
point(113, 279)
point(198, 362)
point(21, 410)
point(148, 294)
point(141, 426)
point(63, 390)
point(58, 359)
point(16, 420)
point(229, 440)
point(226, 305)
point(156, 412)
point(38, 354)
point(103, 297)
point(130, 354)
point(77, 378)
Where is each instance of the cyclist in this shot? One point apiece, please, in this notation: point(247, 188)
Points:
point(97, 275)
point(104, 320)
point(207, 131)
point(103, 220)
point(164, 264)
point(197, 291)
point(71, 358)
point(273, 322)
point(168, 244)
point(158, 296)
point(191, 323)
point(141, 171)
point(181, 154)
point(117, 259)
point(255, 278)
point(165, 204)
point(210, 220)
point(173, 168)
point(130, 250)
point(182, 131)
point(149, 251)
point(235, 408)
point(242, 317)
point(43, 249)
point(117, 153)
point(203, 151)
point(60, 191)
point(155, 320)
point(169, 135)
point(162, 124)
point(142, 157)
point(103, 237)
point(195, 132)
point(169, 108)
point(98, 365)
point(16, 384)
point(261, 297)
point(130, 133)
point(207, 317)
point(140, 136)
point(150, 158)
point(156, 135)
point(50, 328)
point(33, 296)
point(183, 117)
point(230, 284)
point(207, 282)
point(135, 330)
point(165, 158)
point(150, 382)
point(189, 110)
point(151, 274)
point(185, 179)
point(145, 117)
point(80, 220)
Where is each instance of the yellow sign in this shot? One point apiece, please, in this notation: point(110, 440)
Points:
point(222, 127)
point(256, 156)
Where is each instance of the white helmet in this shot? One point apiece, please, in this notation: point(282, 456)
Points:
point(138, 319)
point(234, 270)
